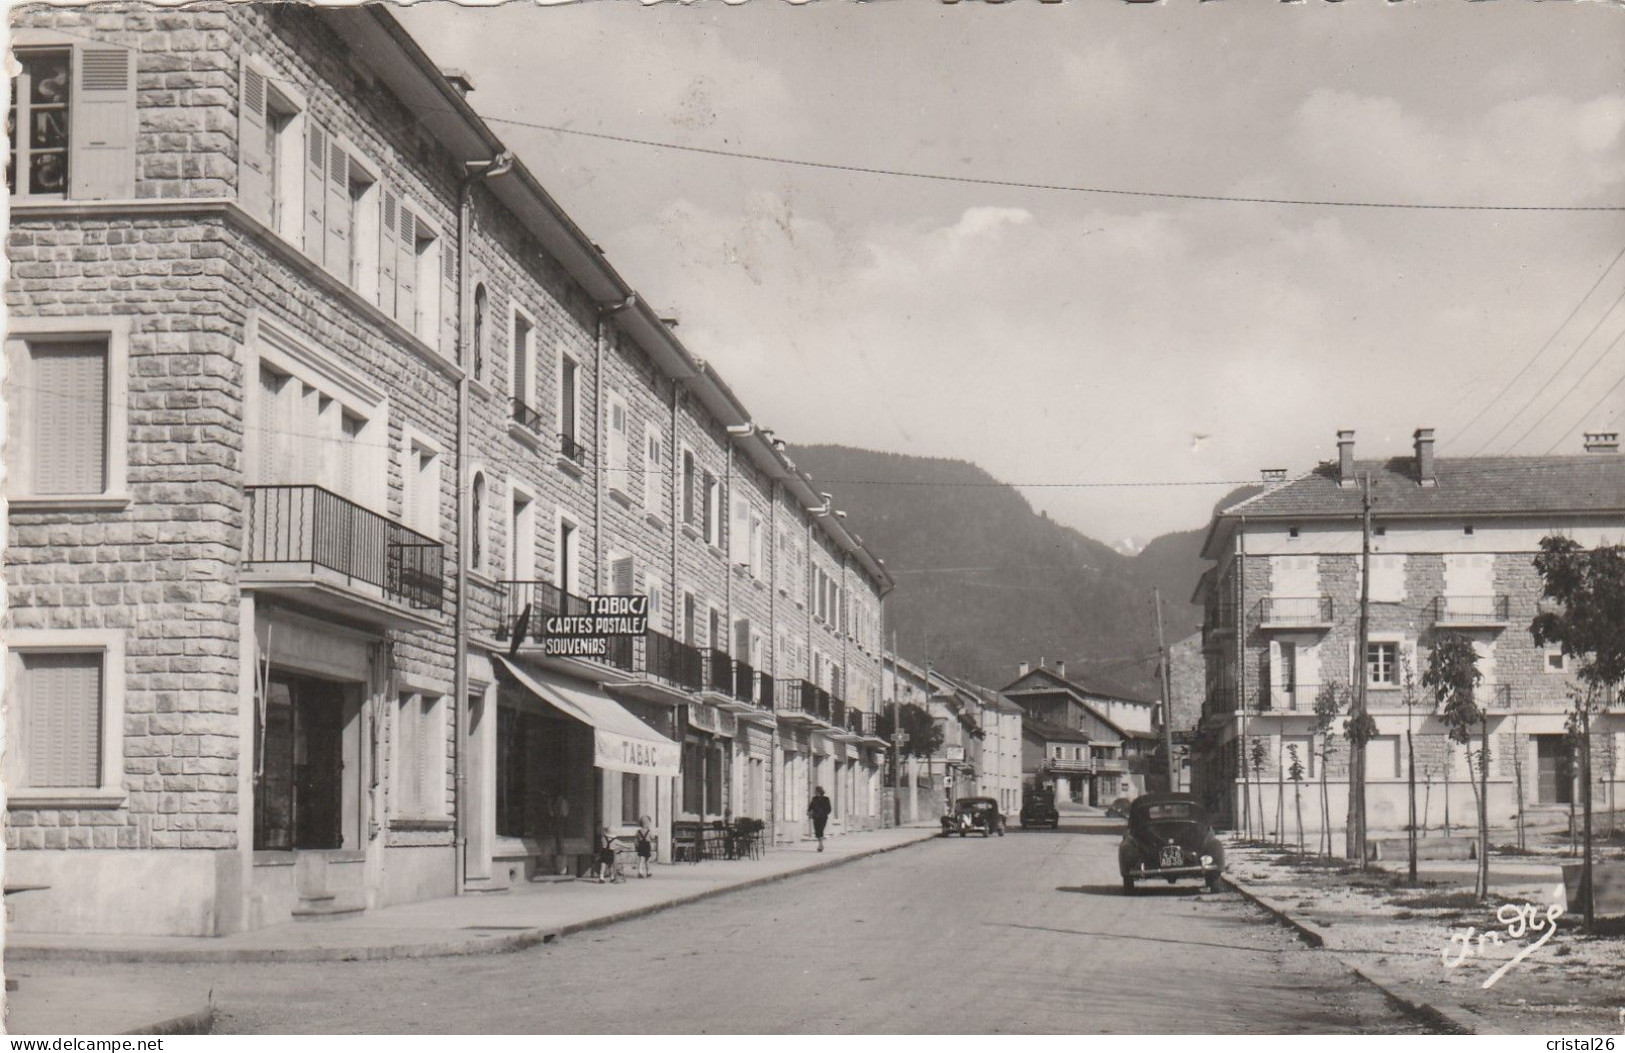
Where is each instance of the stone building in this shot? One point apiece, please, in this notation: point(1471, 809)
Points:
point(1123, 730)
point(319, 406)
point(1453, 541)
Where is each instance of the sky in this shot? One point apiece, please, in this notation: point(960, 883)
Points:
point(1060, 338)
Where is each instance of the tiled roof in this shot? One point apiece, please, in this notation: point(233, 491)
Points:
point(1043, 729)
point(1465, 486)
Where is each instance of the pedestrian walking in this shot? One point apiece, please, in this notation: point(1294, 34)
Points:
point(605, 871)
point(645, 844)
point(818, 810)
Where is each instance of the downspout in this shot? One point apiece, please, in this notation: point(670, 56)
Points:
point(601, 435)
point(474, 171)
point(774, 746)
point(1241, 663)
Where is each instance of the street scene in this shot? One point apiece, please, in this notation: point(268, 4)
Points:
point(927, 518)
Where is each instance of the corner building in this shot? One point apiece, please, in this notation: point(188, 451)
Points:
point(319, 404)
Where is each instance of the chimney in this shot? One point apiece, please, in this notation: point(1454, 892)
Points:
point(1043, 662)
point(1273, 477)
point(1423, 438)
point(1602, 442)
point(1345, 457)
point(1060, 668)
point(1023, 669)
point(460, 80)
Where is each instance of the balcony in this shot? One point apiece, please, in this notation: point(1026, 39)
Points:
point(1218, 620)
point(719, 674)
point(527, 417)
point(1295, 612)
point(1221, 700)
point(1287, 698)
point(654, 667)
point(572, 454)
point(800, 701)
point(1068, 764)
point(1470, 612)
point(318, 549)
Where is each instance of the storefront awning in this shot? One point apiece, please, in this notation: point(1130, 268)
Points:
point(621, 742)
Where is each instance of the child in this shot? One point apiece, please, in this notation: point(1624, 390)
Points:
point(645, 845)
point(605, 871)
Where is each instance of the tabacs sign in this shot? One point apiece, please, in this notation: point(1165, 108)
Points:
point(588, 635)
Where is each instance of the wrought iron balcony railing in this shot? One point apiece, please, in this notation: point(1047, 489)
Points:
point(311, 526)
point(674, 662)
point(1470, 610)
point(527, 416)
point(1295, 611)
point(803, 697)
point(571, 448)
point(719, 672)
point(743, 683)
point(1291, 698)
point(764, 690)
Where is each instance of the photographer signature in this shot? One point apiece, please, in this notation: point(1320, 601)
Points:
point(1519, 920)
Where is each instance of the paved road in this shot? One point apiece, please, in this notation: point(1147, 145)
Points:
point(1025, 934)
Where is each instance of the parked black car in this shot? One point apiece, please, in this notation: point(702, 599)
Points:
point(973, 814)
point(1169, 836)
point(1038, 809)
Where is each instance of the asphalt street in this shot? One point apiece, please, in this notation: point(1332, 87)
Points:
point(1029, 933)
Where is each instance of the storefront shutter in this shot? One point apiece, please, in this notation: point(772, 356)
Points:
point(315, 192)
point(253, 154)
point(103, 126)
point(63, 694)
point(70, 430)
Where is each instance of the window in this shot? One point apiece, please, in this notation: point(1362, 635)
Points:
point(758, 553)
point(689, 618)
point(409, 265)
point(270, 183)
point(419, 756)
point(523, 373)
point(420, 474)
point(477, 542)
point(1554, 660)
point(521, 534)
point(569, 375)
point(631, 798)
point(656, 591)
point(1382, 664)
point(64, 717)
point(73, 112)
point(710, 491)
point(619, 477)
point(652, 460)
point(690, 496)
point(567, 556)
point(622, 576)
point(1382, 757)
point(519, 735)
point(66, 387)
point(482, 310)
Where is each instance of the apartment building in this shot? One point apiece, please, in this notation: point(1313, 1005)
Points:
point(1122, 730)
point(983, 738)
point(1452, 547)
point(320, 406)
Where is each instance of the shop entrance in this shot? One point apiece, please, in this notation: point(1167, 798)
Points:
point(299, 803)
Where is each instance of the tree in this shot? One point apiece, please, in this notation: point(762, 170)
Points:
point(1360, 727)
point(1328, 704)
point(924, 734)
point(1295, 773)
point(1408, 678)
point(1453, 677)
point(1259, 754)
point(1588, 624)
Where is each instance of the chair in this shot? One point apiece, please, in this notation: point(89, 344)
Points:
point(686, 843)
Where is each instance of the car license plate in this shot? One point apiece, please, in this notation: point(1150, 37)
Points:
point(1171, 856)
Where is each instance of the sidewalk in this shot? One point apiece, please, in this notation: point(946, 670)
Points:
point(477, 924)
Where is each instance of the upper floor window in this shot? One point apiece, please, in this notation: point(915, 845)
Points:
point(569, 404)
point(690, 486)
point(64, 716)
point(620, 424)
point(652, 459)
point(65, 386)
point(420, 473)
point(477, 502)
point(522, 373)
point(482, 308)
point(713, 510)
point(71, 123)
point(1382, 663)
point(270, 129)
point(409, 270)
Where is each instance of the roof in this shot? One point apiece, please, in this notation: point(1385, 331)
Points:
point(1097, 687)
point(1043, 729)
point(1574, 484)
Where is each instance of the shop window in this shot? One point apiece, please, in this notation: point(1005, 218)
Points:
point(631, 798)
point(518, 738)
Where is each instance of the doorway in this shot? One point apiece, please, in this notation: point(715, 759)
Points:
point(299, 803)
point(1556, 768)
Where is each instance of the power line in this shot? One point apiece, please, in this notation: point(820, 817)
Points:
point(1543, 347)
point(1572, 388)
point(1553, 378)
point(834, 166)
point(1592, 409)
point(1034, 486)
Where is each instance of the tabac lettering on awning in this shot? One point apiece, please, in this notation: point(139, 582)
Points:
point(616, 752)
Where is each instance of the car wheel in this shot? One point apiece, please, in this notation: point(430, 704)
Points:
point(1128, 885)
point(961, 833)
point(1213, 882)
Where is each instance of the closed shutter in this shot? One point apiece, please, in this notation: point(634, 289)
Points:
point(406, 272)
point(620, 576)
point(406, 757)
point(253, 150)
point(70, 420)
point(448, 296)
point(651, 473)
point(617, 445)
point(739, 530)
point(429, 744)
point(63, 698)
point(103, 125)
point(387, 251)
point(338, 213)
point(315, 192)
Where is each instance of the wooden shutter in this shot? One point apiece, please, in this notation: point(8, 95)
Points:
point(315, 192)
point(63, 697)
point(739, 529)
point(620, 576)
point(253, 153)
point(103, 126)
point(70, 420)
point(448, 298)
point(407, 759)
point(406, 272)
point(387, 241)
point(338, 212)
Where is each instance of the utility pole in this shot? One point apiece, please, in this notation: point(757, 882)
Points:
point(1167, 695)
point(897, 740)
point(1354, 846)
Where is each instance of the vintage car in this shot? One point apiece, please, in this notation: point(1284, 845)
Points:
point(1118, 809)
point(1038, 809)
point(1169, 836)
point(973, 814)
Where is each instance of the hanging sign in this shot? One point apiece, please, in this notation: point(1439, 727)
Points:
point(588, 635)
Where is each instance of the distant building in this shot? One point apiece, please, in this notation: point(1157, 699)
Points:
point(1122, 728)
